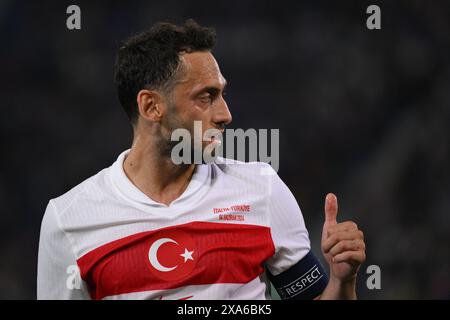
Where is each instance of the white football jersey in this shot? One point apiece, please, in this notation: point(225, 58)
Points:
point(105, 239)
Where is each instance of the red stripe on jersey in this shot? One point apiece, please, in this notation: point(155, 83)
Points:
point(195, 253)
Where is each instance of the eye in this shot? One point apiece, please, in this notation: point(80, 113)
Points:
point(206, 98)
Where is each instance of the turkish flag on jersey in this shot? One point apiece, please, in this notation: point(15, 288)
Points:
point(196, 253)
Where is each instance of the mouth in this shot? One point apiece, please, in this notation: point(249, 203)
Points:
point(214, 140)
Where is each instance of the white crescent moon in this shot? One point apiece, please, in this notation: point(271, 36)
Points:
point(154, 250)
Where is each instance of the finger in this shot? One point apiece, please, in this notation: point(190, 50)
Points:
point(340, 236)
point(331, 209)
point(347, 245)
point(343, 226)
point(353, 257)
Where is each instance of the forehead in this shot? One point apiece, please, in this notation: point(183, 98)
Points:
point(201, 69)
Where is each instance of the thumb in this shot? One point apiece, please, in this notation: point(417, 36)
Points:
point(331, 209)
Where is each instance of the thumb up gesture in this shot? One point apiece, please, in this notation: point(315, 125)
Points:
point(342, 243)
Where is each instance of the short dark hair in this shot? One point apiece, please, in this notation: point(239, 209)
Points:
point(151, 59)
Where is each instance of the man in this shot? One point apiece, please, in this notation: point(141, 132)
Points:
point(146, 228)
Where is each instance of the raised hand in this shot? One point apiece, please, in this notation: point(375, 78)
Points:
point(342, 243)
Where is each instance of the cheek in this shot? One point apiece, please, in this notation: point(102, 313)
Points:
point(197, 115)
point(187, 111)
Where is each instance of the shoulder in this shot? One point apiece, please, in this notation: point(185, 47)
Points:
point(245, 176)
point(237, 168)
point(91, 189)
point(259, 175)
point(261, 178)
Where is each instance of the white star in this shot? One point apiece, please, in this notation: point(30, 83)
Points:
point(187, 255)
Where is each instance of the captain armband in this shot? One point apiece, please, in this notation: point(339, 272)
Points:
point(304, 281)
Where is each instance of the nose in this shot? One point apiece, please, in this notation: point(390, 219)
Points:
point(222, 115)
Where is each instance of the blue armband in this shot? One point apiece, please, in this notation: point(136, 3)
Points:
point(304, 281)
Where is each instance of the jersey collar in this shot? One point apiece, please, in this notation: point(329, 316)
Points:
point(202, 174)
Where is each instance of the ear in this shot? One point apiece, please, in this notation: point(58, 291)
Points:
point(150, 105)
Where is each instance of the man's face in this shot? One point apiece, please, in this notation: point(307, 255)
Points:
point(198, 96)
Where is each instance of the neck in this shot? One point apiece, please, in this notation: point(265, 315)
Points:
point(154, 173)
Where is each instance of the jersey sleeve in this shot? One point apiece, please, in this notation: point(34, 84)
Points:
point(58, 274)
point(289, 234)
point(293, 269)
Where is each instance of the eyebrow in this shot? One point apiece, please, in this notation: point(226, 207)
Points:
point(212, 89)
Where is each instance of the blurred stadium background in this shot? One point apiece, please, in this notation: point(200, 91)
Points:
point(362, 113)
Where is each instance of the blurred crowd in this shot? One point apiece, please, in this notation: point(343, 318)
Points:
point(364, 114)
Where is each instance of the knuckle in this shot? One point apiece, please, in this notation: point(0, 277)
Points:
point(358, 245)
point(363, 245)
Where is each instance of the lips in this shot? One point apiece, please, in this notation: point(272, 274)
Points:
point(215, 140)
